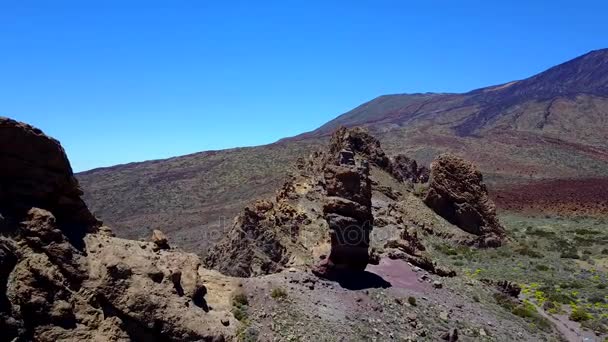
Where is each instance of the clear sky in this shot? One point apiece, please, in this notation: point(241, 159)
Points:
point(122, 81)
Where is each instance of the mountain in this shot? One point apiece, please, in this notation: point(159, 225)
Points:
point(502, 106)
point(553, 125)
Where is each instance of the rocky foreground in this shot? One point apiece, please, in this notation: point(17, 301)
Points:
point(63, 277)
point(340, 253)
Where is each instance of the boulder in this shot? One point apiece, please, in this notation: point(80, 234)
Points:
point(457, 193)
point(35, 172)
point(160, 239)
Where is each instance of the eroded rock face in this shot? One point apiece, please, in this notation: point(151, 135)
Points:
point(358, 140)
point(35, 172)
point(347, 209)
point(457, 193)
point(255, 245)
point(406, 169)
point(62, 281)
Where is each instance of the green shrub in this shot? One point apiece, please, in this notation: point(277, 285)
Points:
point(504, 301)
point(248, 334)
point(573, 284)
point(240, 299)
point(585, 231)
point(476, 298)
point(597, 298)
point(569, 253)
point(524, 310)
point(527, 311)
point(579, 314)
point(540, 233)
point(240, 313)
point(239, 306)
point(604, 251)
point(278, 293)
point(542, 267)
point(526, 250)
point(411, 300)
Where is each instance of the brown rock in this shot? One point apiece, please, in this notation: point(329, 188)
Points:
point(35, 172)
point(59, 283)
point(357, 140)
point(160, 239)
point(406, 169)
point(457, 193)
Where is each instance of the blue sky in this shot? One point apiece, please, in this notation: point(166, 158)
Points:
point(122, 81)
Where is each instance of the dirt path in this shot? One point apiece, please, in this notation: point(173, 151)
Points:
point(570, 330)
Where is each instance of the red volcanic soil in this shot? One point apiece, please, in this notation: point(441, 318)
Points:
point(568, 197)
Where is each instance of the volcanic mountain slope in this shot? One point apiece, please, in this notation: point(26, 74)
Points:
point(552, 125)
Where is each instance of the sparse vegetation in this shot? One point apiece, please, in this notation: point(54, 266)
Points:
point(579, 314)
point(240, 304)
point(278, 293)
point(546, 259)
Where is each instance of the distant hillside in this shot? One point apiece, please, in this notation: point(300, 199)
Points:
point(549, 126)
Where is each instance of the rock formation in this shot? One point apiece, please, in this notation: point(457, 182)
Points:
point(347, 210)
point(406, 169)
point(457, 193)
point(255, 244)
point(35, 172)
point(62, 281)
point(322, 217)
point(358, 140)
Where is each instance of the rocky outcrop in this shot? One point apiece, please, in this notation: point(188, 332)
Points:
point(406, 169)
point(358, 140)
point(322, 217)
point(457, 193)
point(63, 278)
point(347, 210)
point(35, 172)
point(256, 243)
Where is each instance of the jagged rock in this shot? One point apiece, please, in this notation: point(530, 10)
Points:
point(59, 281)
point(160, 239)
point(504, 286)
point(357, 140)
point(406, 169)
point(256, 244)
point(35, 172)
point(347, 211)
point(324, 212)
point(457, 193)
point(105, 230)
